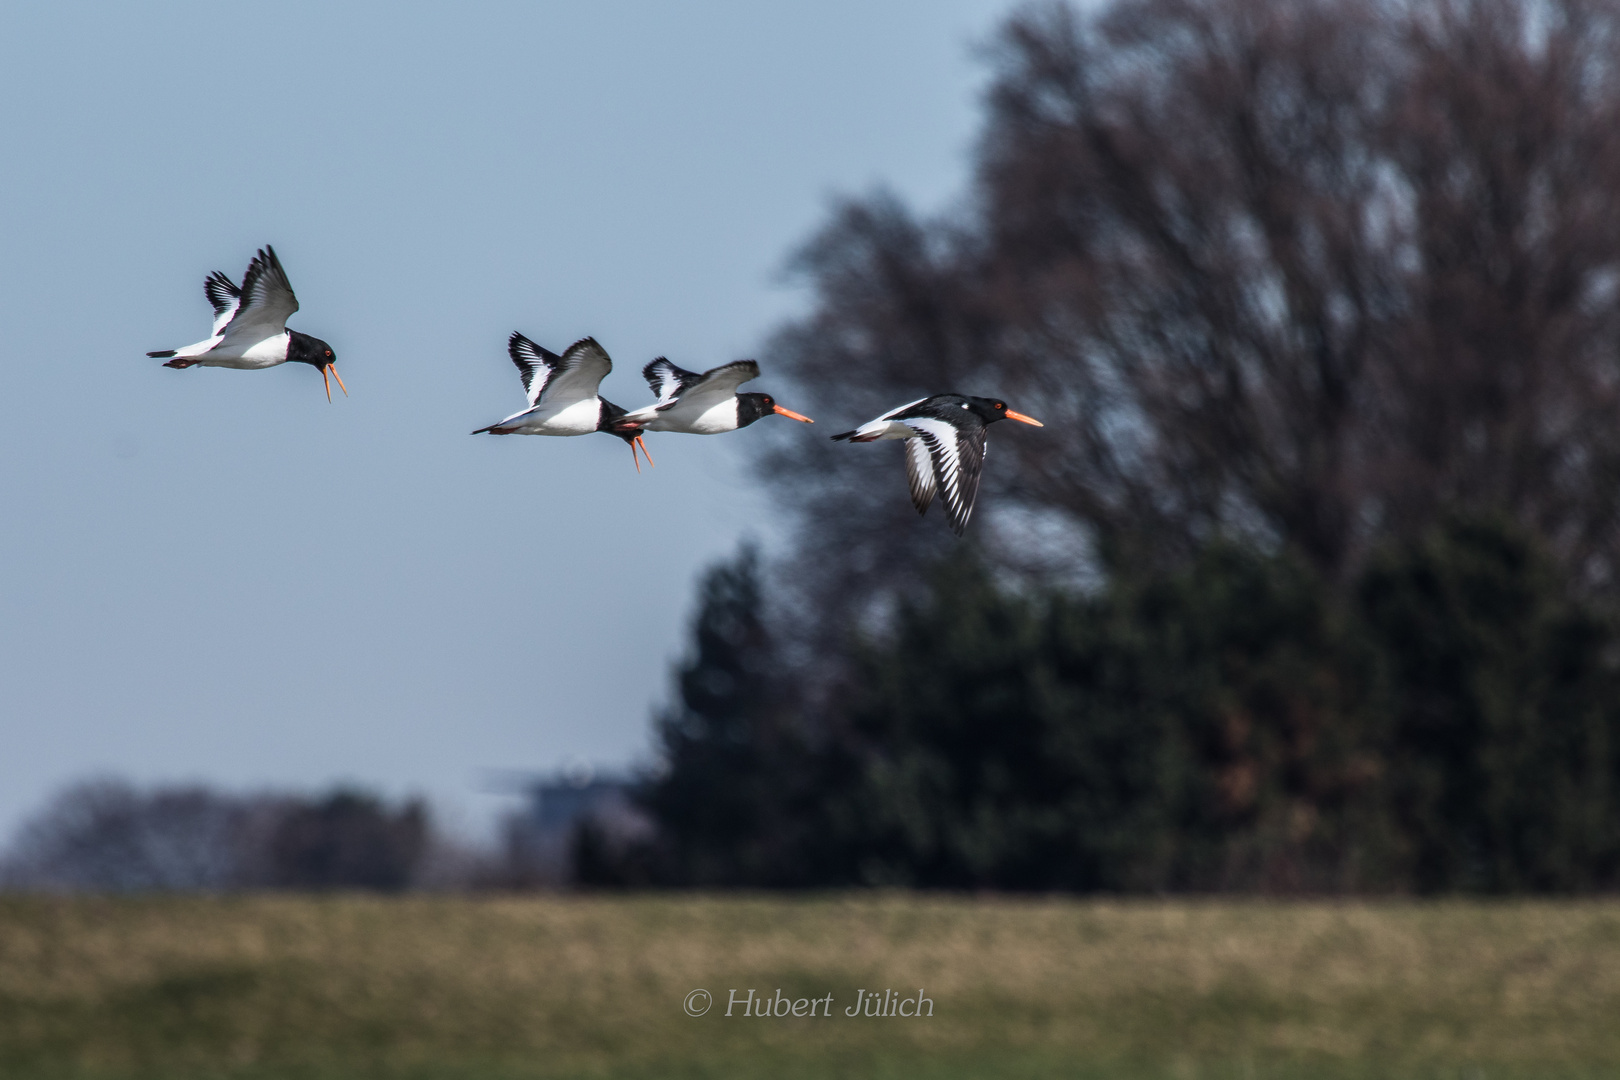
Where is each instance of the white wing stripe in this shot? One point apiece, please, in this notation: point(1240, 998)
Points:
point(920, 473)
point(892, 413)
point(957, 459)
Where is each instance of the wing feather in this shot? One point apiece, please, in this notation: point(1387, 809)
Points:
point(668, 381)
point(534, 363)
point(892, 413)
point(267, 301)
point(919, 474)
point(958, 459)
point(715, 385)
point(579, 372)
point(224, 296)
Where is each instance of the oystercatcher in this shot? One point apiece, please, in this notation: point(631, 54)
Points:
point(945, 451)
point(563, 396)
point(250, 325)
point(705, 404)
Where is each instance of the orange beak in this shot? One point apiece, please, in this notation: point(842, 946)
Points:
point(1023, 419)
point(333, 369)
point(641, 442)
point(791, 415)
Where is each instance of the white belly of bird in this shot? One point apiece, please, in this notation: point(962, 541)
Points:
point(574, 418)
point(712, 421)
point(267, 353)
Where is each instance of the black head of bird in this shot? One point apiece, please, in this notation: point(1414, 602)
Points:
point(303, 349)
point(611, 421)
point(992, 409)
point(751, 407)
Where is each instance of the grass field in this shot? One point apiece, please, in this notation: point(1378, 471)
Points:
point(425, 988)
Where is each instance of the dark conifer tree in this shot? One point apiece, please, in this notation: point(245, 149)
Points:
point(736, 768)
point(1504, 754)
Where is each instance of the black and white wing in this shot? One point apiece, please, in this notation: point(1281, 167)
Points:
point(579, 372)
point(958, 459)
point(892, 413)
point(573, 376)
point(267, 301)
point(714, 385)
point(919, 474)
point(224, 296)
point(668, 382)
point(534, 363)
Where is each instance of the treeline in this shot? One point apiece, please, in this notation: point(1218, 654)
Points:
point(107, 835)
point(1231, 726)
point(1310, 582)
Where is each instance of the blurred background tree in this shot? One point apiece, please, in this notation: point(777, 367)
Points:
point(736, 800)
point(1309, 582)
point(1307, 274)
point(348, 839)
point(106, 835)
point(1308, 585)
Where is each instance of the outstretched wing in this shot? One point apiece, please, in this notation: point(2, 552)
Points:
point(579, 372)
point(668, 382)
point(573, 376)
point(534, 363)
point(919, 474)
point(267, 301)
point(714, 385)
point(958, 459)
point(224, 296)
point(892, 413)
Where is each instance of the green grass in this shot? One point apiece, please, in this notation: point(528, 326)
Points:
point(426, 988)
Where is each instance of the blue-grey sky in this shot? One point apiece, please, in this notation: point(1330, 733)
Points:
point(216, 575)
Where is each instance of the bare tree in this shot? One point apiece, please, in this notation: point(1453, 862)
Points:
point(1309, 273)
point(105, 836)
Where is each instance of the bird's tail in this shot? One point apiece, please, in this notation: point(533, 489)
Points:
point(493, 429)
point(178, 361)
point(842, 437)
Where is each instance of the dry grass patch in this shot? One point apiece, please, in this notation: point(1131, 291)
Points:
point(283, 986)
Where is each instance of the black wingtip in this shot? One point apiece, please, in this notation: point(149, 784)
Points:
point(518, 343)
point(162, 354)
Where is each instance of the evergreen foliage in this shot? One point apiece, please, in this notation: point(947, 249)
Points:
point(1236, 726)
point(728, 803)
point(1506, 715)
point(1317, 300)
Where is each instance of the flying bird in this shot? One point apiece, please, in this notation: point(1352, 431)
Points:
point(944, 448)
point(705, 404)
point(563, 397)
point(250, 325)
